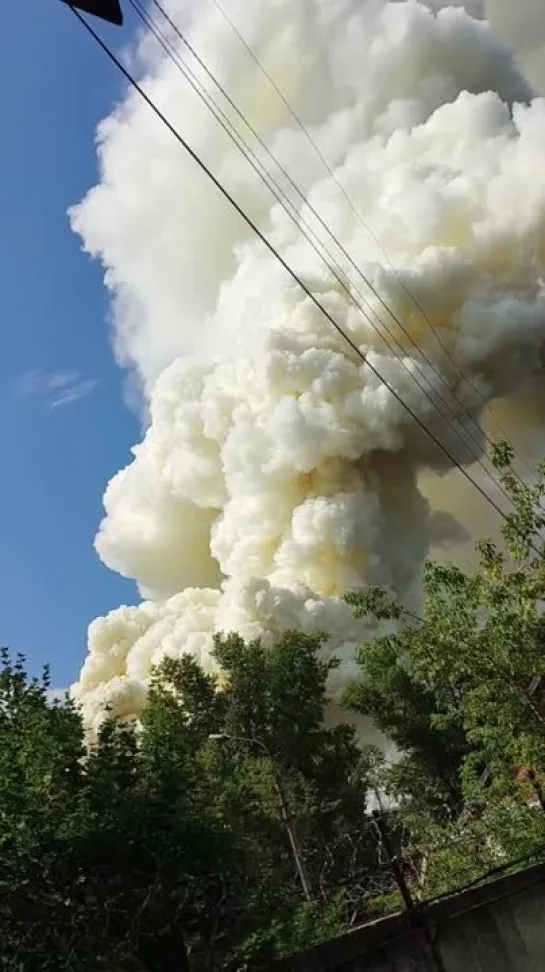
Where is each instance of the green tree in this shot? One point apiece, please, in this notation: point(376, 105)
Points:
point(269, 708)
point(159, 848)
point(455, 690)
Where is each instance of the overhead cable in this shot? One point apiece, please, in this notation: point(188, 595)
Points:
point(316, 148)
point(318, 245)
point(278, 256)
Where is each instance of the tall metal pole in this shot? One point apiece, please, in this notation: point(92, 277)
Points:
point(384, 838)
point(288, 818)
point(289, 823)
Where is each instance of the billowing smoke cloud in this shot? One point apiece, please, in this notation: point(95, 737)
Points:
point(277, 470)
point(523, 26)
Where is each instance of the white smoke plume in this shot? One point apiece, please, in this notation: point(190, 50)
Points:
point(277, 470)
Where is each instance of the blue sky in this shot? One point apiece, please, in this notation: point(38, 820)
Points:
point(64, 427)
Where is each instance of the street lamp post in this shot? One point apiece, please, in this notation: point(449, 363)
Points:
point(108, 10)
point(285, 812)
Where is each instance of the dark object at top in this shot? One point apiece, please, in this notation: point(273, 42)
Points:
point(105, 9)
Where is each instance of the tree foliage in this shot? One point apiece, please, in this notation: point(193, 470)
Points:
point(456, 690)
point(169, 845)
point(159, 843)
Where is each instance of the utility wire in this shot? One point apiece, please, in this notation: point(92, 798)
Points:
point(317, 216)
point(174, 55)
point(311, 237)
point(270, 247)
point(365, 225)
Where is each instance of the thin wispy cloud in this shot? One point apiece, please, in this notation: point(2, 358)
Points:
point(74, 393)
point(56, 388)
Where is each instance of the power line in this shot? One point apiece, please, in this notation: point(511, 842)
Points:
point(298, 219)
point(365, 225)
point(270, 247)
